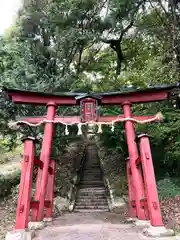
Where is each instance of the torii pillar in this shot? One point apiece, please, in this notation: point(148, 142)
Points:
point(137, 180)
point(42, 178)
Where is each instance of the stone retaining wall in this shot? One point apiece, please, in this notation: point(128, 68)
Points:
point(116, 203)
point(67, 177)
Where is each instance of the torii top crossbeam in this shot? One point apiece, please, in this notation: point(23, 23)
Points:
point(152, 94)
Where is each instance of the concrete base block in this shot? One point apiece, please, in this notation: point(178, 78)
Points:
point(131, 220)
point(142, 223)
point(20, 235)
point(36, 225)
point(158, 232)
point(177, 237)
point(47, 220)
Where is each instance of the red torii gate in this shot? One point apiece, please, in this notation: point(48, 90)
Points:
point(143, 196)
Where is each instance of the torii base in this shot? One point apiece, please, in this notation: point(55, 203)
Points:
point(36, 225)
point(20, 234)
point(142, 223)
point(158, 232)
point(48, 219)
point(131, 220)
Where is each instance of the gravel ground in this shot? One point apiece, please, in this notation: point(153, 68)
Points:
point(76, 226)
point(7, 219)
point(90, 226)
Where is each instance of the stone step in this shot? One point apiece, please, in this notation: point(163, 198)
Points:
point(93, 189)
point(94, 181)
point(92, 198)
point(89, 175)
point(94, 194)
point(91, 182)
point(91, 203)
point(91, 194)
point(91, 210)
point(92, 207)
point(91, 172)
point(98, 170)
point(91, 179)
point(90, 185)
point(95, 169)
point(92, 163)
point(92, 167)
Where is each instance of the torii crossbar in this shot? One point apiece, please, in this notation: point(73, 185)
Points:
point(143, 196)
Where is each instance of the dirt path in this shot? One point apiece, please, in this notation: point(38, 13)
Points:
point(92, 226)
point(12, 165)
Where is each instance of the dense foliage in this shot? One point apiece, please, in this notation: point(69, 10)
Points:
point(96, 45)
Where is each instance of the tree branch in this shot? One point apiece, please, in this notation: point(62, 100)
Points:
point(125, 30)
point(162, 6)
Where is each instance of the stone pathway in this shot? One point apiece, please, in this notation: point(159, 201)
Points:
point(91, 226)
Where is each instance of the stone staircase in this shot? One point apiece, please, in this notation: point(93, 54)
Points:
point(91, 195)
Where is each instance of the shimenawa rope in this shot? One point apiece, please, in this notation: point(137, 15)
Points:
point(157, 117)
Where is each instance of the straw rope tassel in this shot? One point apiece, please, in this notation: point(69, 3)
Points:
point(79, 129)
point(66, 130)
point(99, 128)
point(13, 125)
point(112, 127)
point(159, 116)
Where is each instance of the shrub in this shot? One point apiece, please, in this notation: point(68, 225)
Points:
point(168, 187)
point(8, 181)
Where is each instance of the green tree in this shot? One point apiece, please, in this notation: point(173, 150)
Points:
point(58, 46)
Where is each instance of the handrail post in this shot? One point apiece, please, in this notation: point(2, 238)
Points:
point(131, 191)
point(25, 189)
point(50, 189)
point(150, 181)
